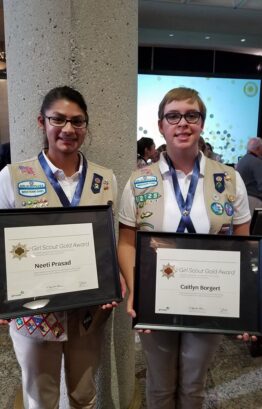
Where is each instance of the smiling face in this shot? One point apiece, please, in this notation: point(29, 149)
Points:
point(182, 137)
point(64, 140)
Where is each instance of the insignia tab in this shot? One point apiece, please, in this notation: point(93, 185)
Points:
point(96, 183)
point(219, 180)
point(145, 181)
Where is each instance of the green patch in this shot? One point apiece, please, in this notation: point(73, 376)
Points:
point(147, 197)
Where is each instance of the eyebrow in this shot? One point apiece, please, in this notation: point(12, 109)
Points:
point(64, 116)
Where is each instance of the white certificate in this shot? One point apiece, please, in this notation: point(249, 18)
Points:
point(45, 260)
point(198, 282)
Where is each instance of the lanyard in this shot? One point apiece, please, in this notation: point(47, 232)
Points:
point(185, 205)
point(57, 187)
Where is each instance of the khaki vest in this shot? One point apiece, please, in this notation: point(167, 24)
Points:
point(30, 172)
point(147, 186)
point(32, 189)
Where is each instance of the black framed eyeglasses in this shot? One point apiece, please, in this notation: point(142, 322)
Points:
point(59, 122)
point(191, 117)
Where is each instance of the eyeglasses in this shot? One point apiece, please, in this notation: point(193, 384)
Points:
point(191, 117)
point(59, 122)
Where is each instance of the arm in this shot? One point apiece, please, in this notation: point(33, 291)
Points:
point(241, 229)
point(126, 257)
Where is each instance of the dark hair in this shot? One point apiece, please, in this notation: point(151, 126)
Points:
point(144, 143)
point(67, 93)
point(208, 145)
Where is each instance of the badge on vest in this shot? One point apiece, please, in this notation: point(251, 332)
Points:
point(35, 203)
point(27, 170)
point(147, 197)
point(217, 208)
point(96, 183)
point(31, 188)
point(219, 180)
point(229, 209)
point(145, 181)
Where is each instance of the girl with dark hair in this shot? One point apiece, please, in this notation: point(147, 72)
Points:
point(146, 150)
point(40, 341)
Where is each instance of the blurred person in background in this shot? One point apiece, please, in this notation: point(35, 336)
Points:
point(250, 168)
point(146, 152)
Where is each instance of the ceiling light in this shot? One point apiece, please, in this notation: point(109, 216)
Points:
point(171, 35)
point(243, 40)
point(207, 37)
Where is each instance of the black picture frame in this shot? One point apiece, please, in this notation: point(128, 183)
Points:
point(250, 283)
point(109, 288)
point(256, 222)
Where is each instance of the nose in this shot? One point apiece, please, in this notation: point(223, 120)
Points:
point(182, 121)
point(68, 127)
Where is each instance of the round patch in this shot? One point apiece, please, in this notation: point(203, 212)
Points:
point(217, 208)
point(228, 209)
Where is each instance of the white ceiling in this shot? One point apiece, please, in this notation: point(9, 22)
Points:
point(226, 22)
point(189, 22)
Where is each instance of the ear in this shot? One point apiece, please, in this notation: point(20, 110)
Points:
point(41, 121)
point(160, 127)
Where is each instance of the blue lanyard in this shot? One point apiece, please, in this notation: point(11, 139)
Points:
point(57, 187)
point(185, 205)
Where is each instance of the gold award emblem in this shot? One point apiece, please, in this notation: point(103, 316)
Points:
point(168, 271)
point(231, 198)
point(19, 251)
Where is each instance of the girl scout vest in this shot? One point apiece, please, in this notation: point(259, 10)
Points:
point(219, 194)
point(32, 189)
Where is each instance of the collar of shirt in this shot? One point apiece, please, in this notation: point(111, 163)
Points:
point(59, 173)
point(164, 168)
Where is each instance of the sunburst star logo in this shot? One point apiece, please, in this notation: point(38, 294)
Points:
point(168, 271)
point(19, 251)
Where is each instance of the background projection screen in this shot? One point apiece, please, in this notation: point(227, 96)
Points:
point(232, 110)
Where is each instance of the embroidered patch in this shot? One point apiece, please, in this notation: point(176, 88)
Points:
point(43, 328)
point(30, 326)
point(219, 180)
point(96, 183)
point(57, 330)
point(19, 323)
point(217, 208)
point(145, 181)
point(147, 197)
point(229, 209)
point(31, 188)
point(38, 319)
point(51, 319)
point(27, 169)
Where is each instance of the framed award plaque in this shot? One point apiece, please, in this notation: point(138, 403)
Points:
point(198, 282)
point(55, 259)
